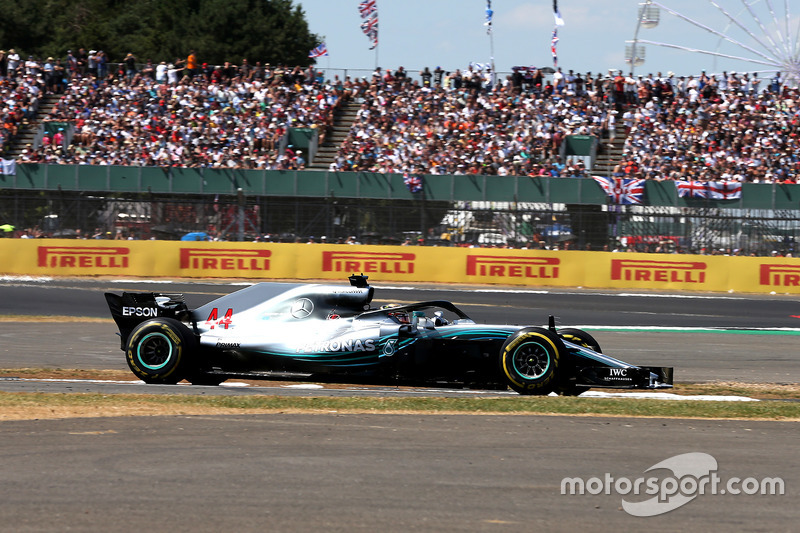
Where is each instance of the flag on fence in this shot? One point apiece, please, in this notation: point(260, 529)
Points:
point(622, 190)
point(553, 43)
point(413, 182)
point(692, 189)
point(369, 12)
point(724, 190)
point(557, 14)
point(8, 167)
point(319, 51)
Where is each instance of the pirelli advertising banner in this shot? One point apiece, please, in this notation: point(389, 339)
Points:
point(54, 257)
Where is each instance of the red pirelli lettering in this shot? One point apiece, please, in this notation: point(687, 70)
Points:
point(780, 275)
point(88, 257)
point(224, 259)
point(369, 262)
point(658, 271)
point(513, 266)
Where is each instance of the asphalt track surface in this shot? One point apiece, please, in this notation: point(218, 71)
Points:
point(387, 473)
point(341, 472)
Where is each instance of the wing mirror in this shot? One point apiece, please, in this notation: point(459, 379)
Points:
point(407, 330)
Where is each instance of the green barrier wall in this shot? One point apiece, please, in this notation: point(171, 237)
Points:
point(579, 144)
point(368, 185)
point(301, 137)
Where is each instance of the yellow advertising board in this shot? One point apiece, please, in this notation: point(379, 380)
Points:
point(533, 268)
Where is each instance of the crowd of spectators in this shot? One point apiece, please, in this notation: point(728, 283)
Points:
point(20, 90)
point(469, 123)
point(713, 128)
point(195, 123)
point(707, 128)
point(183, 113)
point(728, 126)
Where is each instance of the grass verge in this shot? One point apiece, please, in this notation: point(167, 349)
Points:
point(18, 406)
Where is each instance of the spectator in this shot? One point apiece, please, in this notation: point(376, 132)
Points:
point(13, 62)
point(130, 66)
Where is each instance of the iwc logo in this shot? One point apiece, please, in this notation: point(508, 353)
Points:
point(302, 308)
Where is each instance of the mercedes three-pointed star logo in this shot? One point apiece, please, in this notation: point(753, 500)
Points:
point(302, 308)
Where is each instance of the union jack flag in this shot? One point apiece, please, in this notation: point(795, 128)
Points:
point(725, 190)
point(623, 191)
point(692, 189)
point(370, 25)
point(369, 12)
point(553, 43)
point(367, 7)
point(319, 51)
point(414, 183)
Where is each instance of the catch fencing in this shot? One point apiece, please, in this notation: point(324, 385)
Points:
point(551, 225)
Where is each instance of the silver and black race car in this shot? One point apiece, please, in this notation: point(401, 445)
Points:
point(332, 333)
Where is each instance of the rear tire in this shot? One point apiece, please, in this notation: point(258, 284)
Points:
point(530, 360)
point(158, 351)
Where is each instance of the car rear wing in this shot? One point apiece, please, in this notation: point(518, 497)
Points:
point(132, 308)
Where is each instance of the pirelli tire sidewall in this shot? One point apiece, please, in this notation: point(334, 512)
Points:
point(158, 350)
point(517, 364)
point(580, 337)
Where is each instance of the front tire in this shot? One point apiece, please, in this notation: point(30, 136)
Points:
point(158, 350)
point(568, 387)
point(530, 361)
point(580, 337)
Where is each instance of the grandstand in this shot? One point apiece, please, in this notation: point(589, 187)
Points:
point(728, 126)
point(709, 127)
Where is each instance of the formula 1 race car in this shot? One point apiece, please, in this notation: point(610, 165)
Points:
point(331, 333)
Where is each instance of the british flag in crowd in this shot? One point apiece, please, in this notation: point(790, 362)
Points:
point(369, 12)
point(724, 190)
point(413, 182)
point(623, 191)
point(692, 189)
point(319, 51)
point(553, 43)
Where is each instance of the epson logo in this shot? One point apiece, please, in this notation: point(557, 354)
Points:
point(139, 311)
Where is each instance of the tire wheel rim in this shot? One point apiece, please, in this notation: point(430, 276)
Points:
point(154, 351)
point(531, 361)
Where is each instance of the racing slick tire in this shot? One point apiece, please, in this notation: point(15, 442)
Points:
point(568, 387)
point(158, 350)
point(530, 361)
